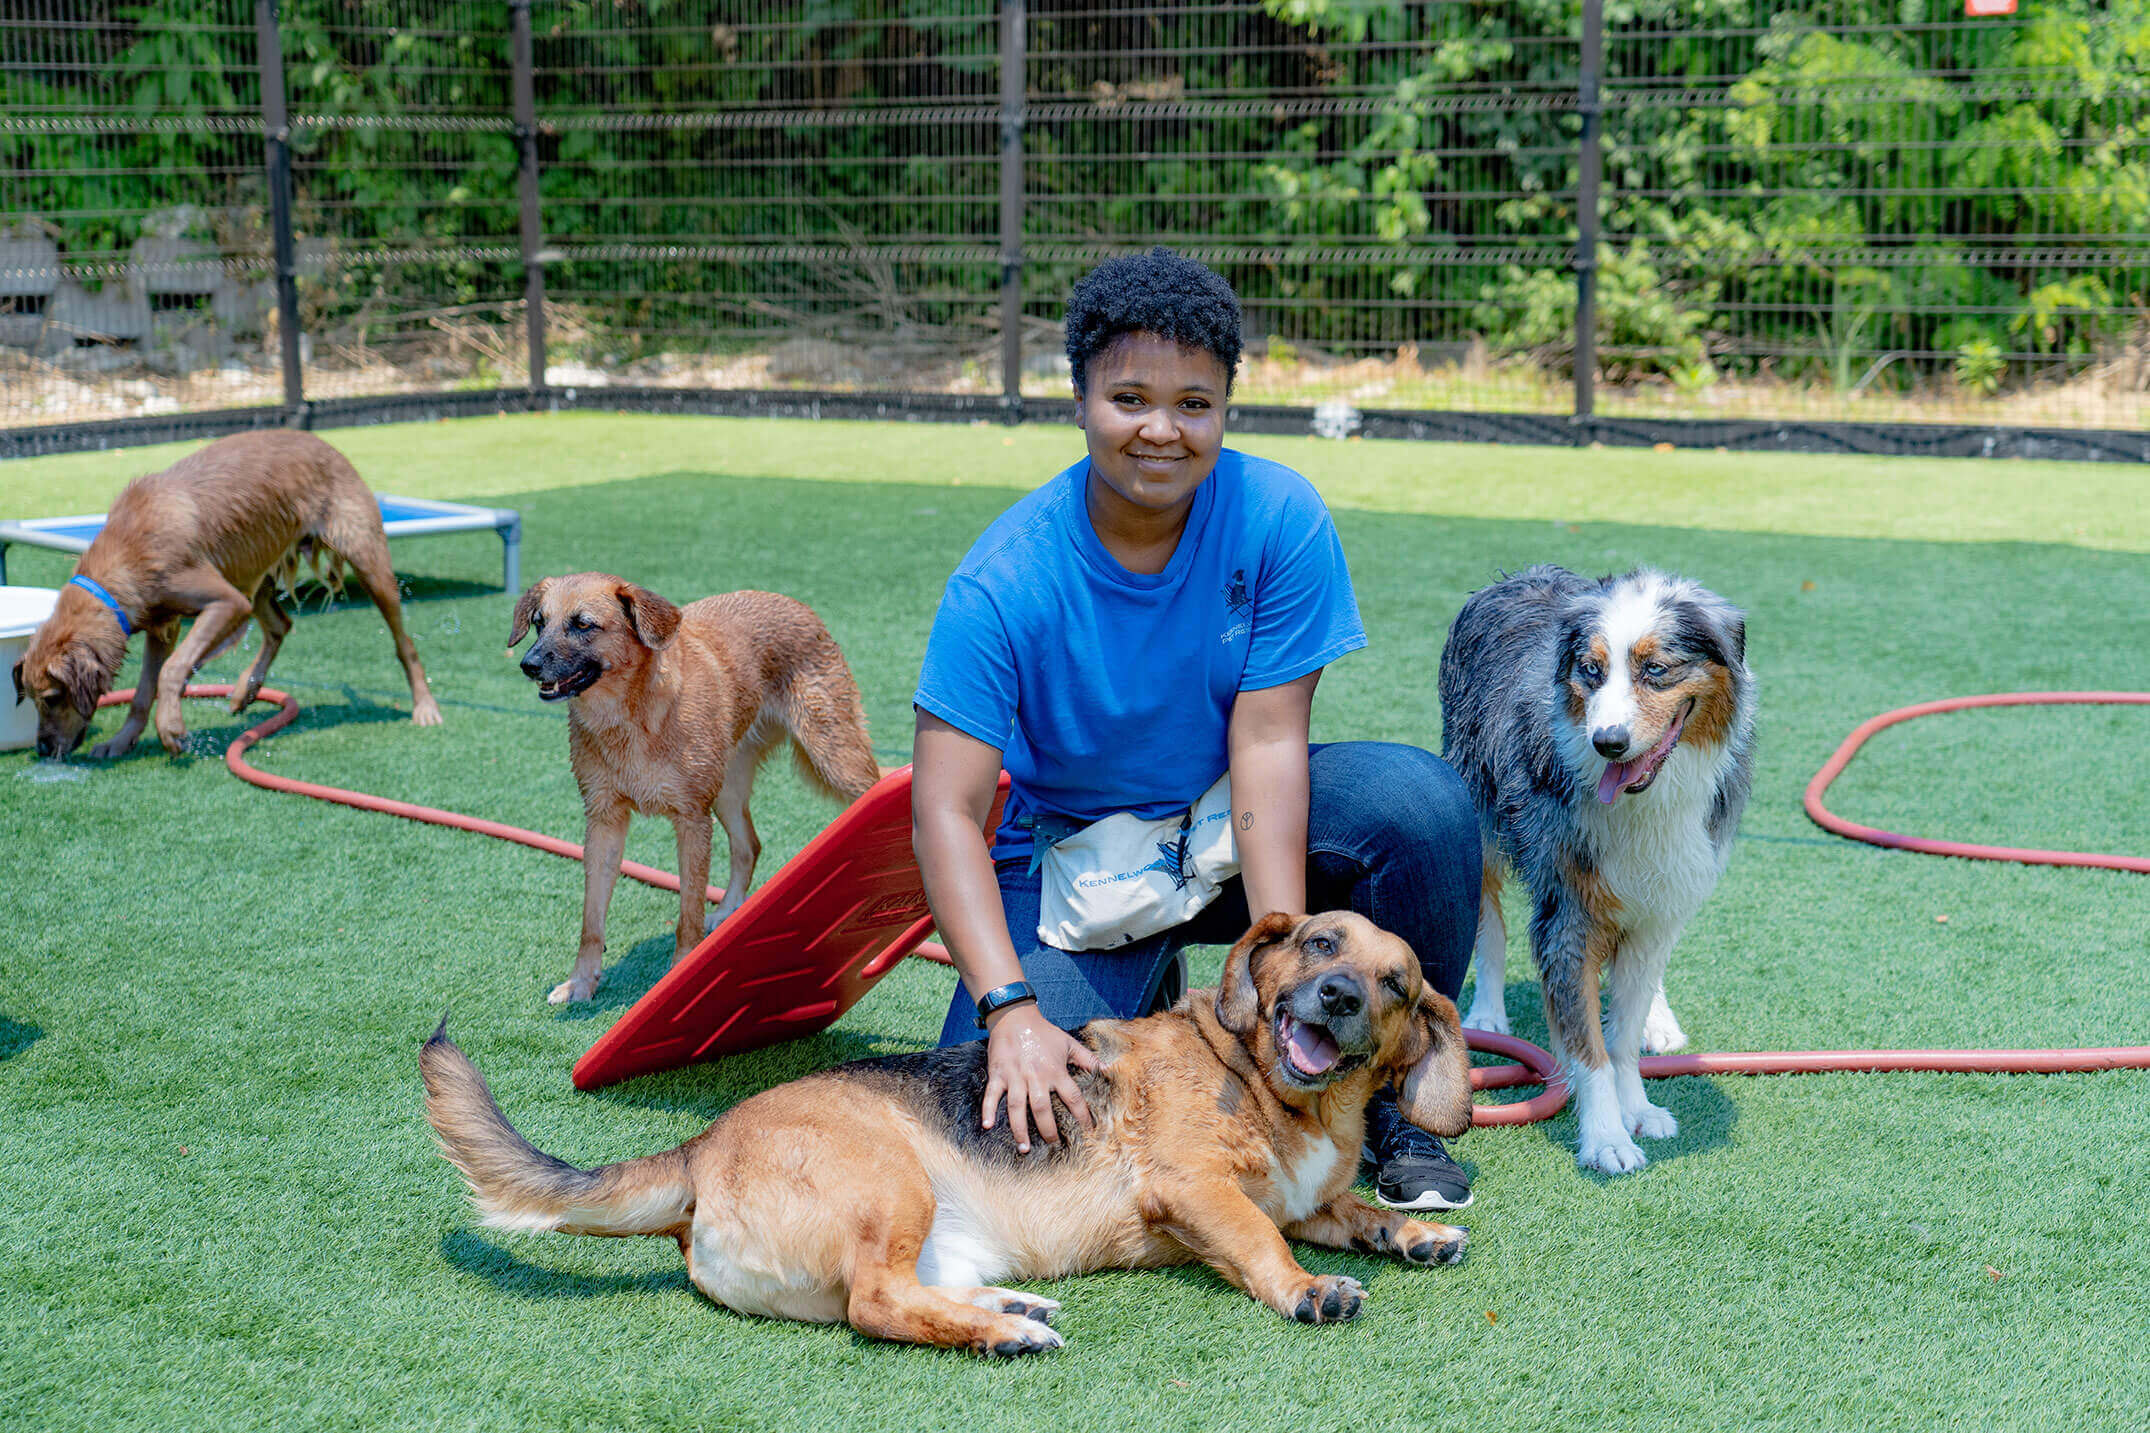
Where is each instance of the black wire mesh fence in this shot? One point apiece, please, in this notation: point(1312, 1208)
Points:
point(1855, 211)
point(1358, 211)
point(1880, 211)
point(796, 195)
point(138, 203)
point(135, 265)
point(404, 160)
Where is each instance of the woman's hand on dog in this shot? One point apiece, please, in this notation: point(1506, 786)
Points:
point(1027, 1059)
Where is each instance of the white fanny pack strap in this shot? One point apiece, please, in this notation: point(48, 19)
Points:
point(1123, 878)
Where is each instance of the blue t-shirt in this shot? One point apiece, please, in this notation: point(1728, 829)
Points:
point(1108, 690)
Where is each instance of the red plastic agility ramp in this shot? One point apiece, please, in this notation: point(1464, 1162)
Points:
point(802, 950)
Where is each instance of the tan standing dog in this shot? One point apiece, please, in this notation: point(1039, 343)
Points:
point(870, 1194)
point(211, 537)
point(670, 712)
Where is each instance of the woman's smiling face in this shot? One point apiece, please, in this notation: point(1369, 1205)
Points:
point(1153, 413)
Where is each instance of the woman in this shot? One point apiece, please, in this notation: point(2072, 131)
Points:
point(1156, 616)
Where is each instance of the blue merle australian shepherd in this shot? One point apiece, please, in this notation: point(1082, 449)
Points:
point(1605, 730)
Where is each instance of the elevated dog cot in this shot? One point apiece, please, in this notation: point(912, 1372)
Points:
point(400, 517)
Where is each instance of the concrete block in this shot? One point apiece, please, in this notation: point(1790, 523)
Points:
point(116, 313)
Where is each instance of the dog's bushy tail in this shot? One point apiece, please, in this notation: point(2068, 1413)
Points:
point(518, 1186)
point(829, 743)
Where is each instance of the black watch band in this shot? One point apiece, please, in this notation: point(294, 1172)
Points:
point(1000, 997)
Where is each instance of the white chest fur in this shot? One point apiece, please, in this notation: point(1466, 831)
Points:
point(1653, 848)
point(1298, 1186)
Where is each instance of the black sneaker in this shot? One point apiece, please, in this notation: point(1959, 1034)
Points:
point(1412, 1168)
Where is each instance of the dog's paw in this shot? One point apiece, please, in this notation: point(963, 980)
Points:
point(243, 697)
point(1435, 1243)
point(1020, 1337)
point(1614, 1154)
point(1653, 1122)
point(425, 713)
point(173, 737)
point(1661, 1033)
point(1495, 1021)
point(106, 750)
point(1023, 1306)
point(573, 991)
point(1330, 1299)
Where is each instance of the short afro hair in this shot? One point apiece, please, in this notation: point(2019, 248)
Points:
point(1160, 292)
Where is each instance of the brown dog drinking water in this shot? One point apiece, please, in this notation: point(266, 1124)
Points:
point(212, 537)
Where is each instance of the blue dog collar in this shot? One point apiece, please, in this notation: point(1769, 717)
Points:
point(96, 590)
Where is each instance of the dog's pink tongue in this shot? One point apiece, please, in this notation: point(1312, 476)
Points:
point(1311, 1050)
point(1617, 775)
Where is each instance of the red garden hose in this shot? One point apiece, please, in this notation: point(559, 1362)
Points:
point(235, 759)
point(1535, 1066)
point(1538, 1067)
point(1831, 769)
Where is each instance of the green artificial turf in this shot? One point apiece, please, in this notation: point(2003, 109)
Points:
point(219, 1206)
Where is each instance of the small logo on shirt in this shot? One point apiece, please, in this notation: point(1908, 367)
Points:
point(1241, 603)
point(1236, 595)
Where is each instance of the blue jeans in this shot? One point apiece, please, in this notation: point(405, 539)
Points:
point(1391, 834)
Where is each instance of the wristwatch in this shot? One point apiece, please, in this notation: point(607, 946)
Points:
point(1000, 997)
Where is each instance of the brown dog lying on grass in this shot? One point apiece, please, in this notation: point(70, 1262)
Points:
point(670, 712)
point(211, 537)
point(871, 1193)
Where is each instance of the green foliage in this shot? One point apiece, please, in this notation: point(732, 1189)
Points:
point(1979, 365)
point(1817, 188)
point(94, 192)
point(1856, 201)
point(1642, 324)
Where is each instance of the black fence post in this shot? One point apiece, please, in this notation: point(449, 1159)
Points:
point(526, 137)
point(276, 126)
point(1586, 210)
point(1013, 51)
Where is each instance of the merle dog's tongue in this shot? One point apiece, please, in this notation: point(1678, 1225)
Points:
point(1311, 1050)
point(1617, 775)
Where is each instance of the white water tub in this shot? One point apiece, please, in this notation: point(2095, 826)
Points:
point(22, 611)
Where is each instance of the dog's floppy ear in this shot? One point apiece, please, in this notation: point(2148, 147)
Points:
point(1432, 1069)
point(653, 618)
point(79, 675)
point(1715, 629)
point(19, 694)
point(1239, 1006)
point(526, 609)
